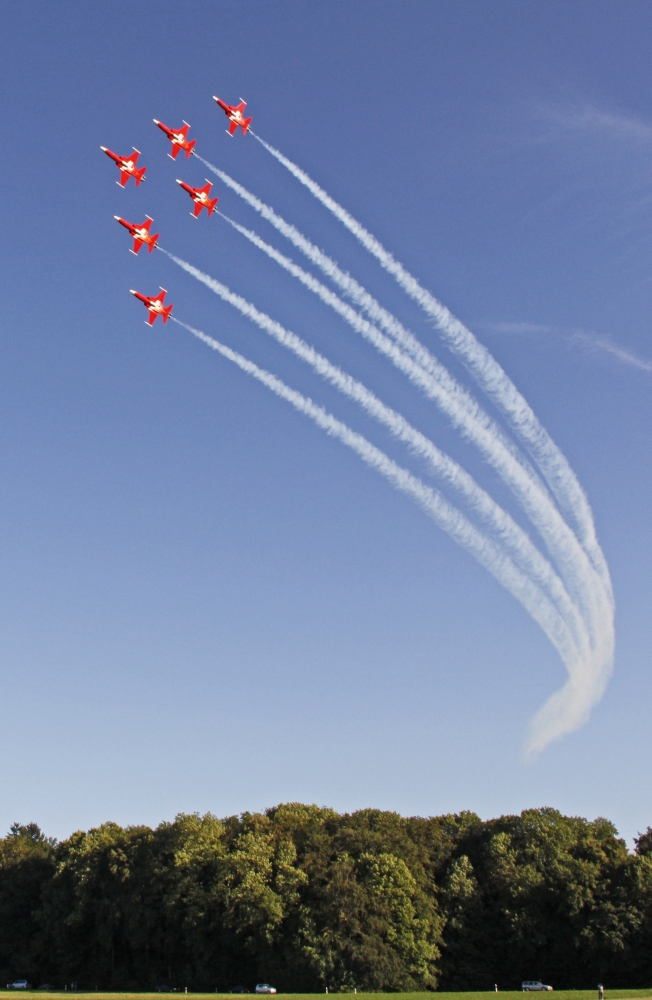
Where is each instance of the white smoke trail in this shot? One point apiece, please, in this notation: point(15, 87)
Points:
point(558, 537)
point(595, 597)
point(510, 533)
point(451, 520)
point(486, 371)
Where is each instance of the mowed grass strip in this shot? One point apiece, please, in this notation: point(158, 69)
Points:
point(485, 995)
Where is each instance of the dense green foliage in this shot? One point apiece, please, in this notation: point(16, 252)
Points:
point(306, 898)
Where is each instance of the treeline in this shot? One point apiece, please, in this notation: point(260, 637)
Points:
point(305, 898)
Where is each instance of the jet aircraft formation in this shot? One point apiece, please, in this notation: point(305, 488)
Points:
point(127, 165)
point(567, 592)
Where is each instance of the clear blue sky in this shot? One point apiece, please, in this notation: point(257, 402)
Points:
point(206, 603)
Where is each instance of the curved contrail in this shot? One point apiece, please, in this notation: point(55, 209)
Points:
point(585, 687)
point(570, 707)
point(515, 540)
point(449, 518)
point(486, 371)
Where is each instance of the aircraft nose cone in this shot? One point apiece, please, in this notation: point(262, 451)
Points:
point(103, 148)
point(178, 181)
point(133, 292)
point(118, 218)
point(156, 121)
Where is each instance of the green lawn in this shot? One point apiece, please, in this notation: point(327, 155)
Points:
point(506, 995)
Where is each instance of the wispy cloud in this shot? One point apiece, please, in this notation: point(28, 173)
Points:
point(593, 343)
point(587, 340)
point(517, 327)
point(590, 120)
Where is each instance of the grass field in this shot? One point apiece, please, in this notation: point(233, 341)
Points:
point(504, 995)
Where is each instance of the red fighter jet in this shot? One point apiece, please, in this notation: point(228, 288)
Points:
point(201, 197)
point(154, 303)
point(141, 234)
point(235, 116)
point(178, 139)
point(127, 166)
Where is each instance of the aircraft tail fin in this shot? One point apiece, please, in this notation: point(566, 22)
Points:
point(245, 125)
point(166, 312)
point(210, 208)
point(191, 146)
point(140, 175)
point(153, 242)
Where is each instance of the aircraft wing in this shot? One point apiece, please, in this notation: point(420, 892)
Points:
point(232, 127)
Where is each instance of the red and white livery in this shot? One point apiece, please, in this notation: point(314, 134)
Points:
point(235, 115)
point(141, 234)
point(154, 304)
point(179, 139)
point(201, 197)
point(127, 166)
